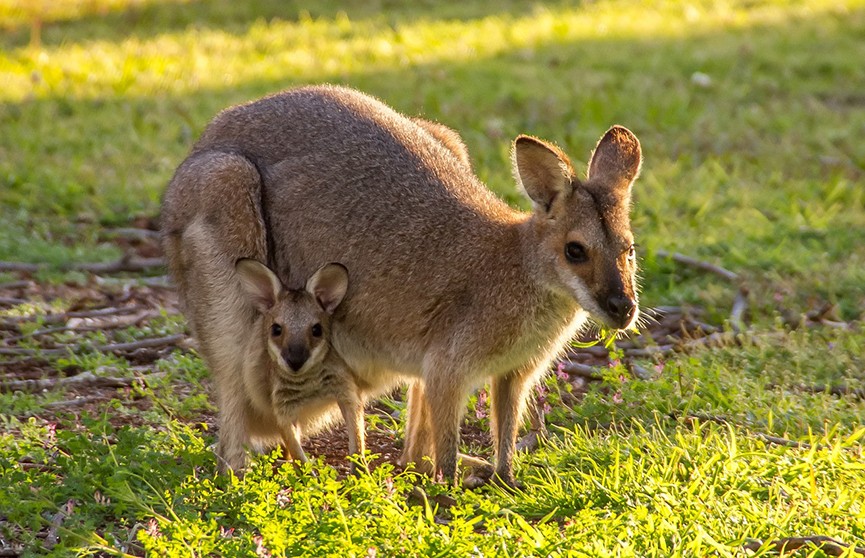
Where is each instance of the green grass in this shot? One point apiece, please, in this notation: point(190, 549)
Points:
point(758, 169)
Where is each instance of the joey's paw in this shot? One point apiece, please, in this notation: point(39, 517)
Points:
point(476, 477)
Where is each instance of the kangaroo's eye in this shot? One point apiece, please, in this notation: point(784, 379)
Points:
point(576, 253)
point(276, 330)
point(316, 330)
point(632, 252)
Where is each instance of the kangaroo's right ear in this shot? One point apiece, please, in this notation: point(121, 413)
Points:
point(328, 285)
point(542, 169)
point(261, 285)
point(617, 159)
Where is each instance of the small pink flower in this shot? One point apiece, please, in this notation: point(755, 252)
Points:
point(51, 427)
point(226, 533)
point(659, 368)
point(152, 528)
point(481, 405)
point(560, 372)
point(614, 363)
point(260, 550)
point(283, 497)
point(547, 409)
point(617, 398)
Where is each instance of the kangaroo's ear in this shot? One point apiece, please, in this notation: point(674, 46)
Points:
point(328, 285)
point(260, 284)
point(542, 169)
point(616, 161)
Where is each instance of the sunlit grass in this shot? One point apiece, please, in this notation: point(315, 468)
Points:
point(314, 48)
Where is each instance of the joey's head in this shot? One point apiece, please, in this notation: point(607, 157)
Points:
point(296, 323)
point(582, 229)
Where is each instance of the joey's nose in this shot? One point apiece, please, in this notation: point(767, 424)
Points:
point(295, 356)
point(621, 308)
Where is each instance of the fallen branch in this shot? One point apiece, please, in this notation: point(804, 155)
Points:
point(56, 522)
point(110, 348)
point(85, 379)
point(142, 344)
point(827, 545)
point(64, 316)
point(124, 264)
point(132, 233)
point(69, 403)
point(699, 264)
point(101, 326)
point(837, 391)
point(740, 306)
point(584, 371)
point(769, 439)
point(15, 285)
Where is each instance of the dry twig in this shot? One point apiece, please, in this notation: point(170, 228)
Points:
point(110, 348)
point(85, 379)
point(126, 263)
point(699, 264)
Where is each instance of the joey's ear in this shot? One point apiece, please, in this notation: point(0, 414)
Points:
point(261, 285)
point(328, 285)
point(617, 159)
point(450, 138)
point(542, 169)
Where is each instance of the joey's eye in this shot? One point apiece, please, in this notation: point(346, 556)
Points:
point(316, 330)
point(576, 253)
point(276, 330)
point(632, 252)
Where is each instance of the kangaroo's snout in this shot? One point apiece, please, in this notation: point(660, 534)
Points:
point(621, 308)
point(295, 356)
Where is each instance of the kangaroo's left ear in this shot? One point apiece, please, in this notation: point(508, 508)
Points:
point(328, 285)
point(617, 159)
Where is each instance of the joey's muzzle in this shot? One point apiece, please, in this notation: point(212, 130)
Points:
point(295, 356)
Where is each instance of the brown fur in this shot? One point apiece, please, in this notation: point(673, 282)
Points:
point(211, 218)
point(450, 286)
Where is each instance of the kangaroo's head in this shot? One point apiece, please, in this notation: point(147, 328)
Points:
point(582, 227)
point(296, 323)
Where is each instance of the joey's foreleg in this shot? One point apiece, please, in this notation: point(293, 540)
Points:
point(418, 442)
point(352, 413)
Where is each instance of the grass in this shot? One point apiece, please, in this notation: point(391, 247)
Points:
point(751, 117)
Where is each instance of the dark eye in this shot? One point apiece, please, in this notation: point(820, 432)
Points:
point(632, 252)
point(575, 253)
point(316, 330)
point(276, 330)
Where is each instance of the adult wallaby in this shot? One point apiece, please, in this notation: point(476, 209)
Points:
point(267, 346)
point(450, 286)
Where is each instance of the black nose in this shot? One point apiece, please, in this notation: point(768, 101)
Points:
point(622, 308)
point(296, 356)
